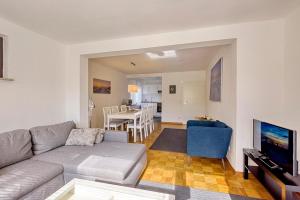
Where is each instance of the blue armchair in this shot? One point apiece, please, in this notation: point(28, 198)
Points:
point(209, 139)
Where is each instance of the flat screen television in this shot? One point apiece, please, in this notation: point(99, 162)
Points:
point(278, 144)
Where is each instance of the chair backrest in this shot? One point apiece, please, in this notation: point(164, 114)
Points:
point(144, 114)
point(114, 109)
point(106, 111)
point(149, 114)
point(123, 108)
point(154, 109)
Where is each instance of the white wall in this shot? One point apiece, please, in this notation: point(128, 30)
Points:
point(259, 82)
point(259, 47)
point(189, 100)
point(291, 116)
point(37, 96)
point(118, 90)
point(225, 110)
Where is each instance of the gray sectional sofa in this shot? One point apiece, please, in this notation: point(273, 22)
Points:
point(35, 163)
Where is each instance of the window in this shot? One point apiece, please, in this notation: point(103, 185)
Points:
point(1, 57)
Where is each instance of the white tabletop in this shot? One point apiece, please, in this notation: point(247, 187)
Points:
point(131, 114)
point(79, 189)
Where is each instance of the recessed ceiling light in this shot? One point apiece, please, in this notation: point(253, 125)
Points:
point(132, 64)
point(163, 54)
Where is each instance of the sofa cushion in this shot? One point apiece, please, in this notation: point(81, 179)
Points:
point(21, 178)
point(45, 138)
point(15, 146)
point(107, 160)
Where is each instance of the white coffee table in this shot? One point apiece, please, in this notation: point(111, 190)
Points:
point(78, 189)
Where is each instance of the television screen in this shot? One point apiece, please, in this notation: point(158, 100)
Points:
point(277, 143)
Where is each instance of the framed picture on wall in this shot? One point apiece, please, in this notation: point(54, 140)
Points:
point(101, 86)
point(172, 89)
point(216, 81)
point(3, 59)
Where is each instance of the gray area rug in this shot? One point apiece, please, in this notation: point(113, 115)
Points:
point(186, 193)
point(171, 139)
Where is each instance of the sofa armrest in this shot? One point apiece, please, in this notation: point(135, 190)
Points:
point(116, 136)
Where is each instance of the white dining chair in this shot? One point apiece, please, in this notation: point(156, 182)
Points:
point(115, 124)
point(114, 109)
point(123, 108)
point(147, 115)
point(140, 124)
point(154, 108)
point(149, 119)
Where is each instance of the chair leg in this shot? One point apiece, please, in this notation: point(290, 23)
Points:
point(146, 130)
point(152, 124)
point(150, 127)
point(141, 134)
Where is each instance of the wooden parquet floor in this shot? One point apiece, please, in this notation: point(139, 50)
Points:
point(202, 173)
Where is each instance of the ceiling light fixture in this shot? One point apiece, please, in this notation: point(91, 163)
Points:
point(133, 88)
point(163, 54)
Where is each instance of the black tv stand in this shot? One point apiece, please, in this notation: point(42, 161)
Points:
point(254, 153)
point(281, 185)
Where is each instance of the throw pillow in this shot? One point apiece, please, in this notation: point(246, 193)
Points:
point(100, 135)
point(82, 137)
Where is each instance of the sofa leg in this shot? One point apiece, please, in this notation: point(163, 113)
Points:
point(189, 160)
point(223, 163)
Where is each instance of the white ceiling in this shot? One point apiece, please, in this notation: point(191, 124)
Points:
point(74, 21)
point(186, 60)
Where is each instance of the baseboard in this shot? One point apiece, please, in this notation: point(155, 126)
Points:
point(229, 165)
point(172, 123)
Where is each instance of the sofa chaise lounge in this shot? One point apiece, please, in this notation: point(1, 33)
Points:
point(35, 163)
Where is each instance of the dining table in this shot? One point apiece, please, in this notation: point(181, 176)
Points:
point(127, 115)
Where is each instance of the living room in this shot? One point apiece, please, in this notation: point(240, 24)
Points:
point(47, 47)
